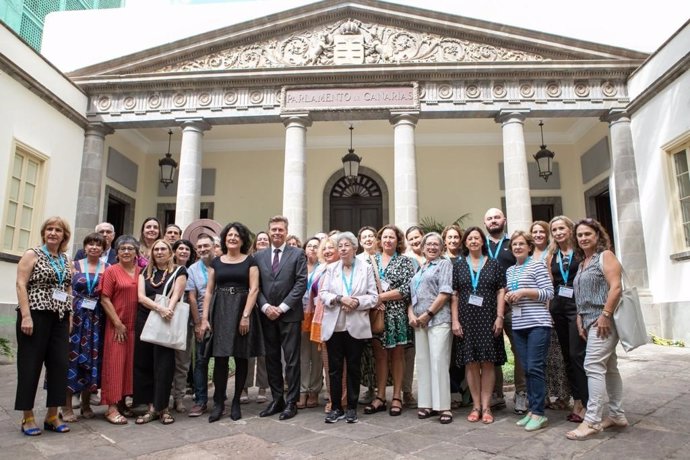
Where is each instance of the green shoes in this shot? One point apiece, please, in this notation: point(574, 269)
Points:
point(524, 420)
point(536, 422)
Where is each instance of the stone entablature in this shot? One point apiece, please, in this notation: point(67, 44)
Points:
point(451, 99)
point(352, 42)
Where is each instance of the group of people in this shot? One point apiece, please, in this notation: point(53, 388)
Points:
point(365, 310)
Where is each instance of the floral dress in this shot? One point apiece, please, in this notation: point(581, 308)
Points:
point(397, 275)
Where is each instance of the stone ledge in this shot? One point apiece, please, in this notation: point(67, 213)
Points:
point(680, 256)
point(6, 257)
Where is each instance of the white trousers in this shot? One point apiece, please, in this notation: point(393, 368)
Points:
point(601, 367)
point(433, 346)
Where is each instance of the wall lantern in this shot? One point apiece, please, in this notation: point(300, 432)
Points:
point(351, 161)
point(167, 165)
point(544, 157)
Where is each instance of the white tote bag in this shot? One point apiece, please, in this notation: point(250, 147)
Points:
point(168, 333)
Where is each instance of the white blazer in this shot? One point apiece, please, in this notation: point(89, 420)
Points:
point(363, 289)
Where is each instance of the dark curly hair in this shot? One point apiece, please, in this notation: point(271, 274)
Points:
point(400, 246)
point(245, 236)
point(603, 239)
point(192, 251)
point(464, 250)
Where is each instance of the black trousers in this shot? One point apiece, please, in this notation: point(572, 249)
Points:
point(343, 347)
point(564, 314)
point(49, 345)
point(154, 368)
point(286, 336)
point(220, 378)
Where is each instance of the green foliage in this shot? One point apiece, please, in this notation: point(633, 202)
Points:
point(6, 348)
point(509, 366)
point(429, 224)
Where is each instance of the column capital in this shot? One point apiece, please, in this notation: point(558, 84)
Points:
point(403, 118)
point(194, 124)
point(302, 120)
point(98, 129)
point(512, 116)
point(616, 115)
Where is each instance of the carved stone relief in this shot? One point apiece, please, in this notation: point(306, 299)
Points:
point(352, 42)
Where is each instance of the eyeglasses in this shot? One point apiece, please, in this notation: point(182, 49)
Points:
point(127, 249)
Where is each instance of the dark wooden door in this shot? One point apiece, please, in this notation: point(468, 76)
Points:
point(355, 203)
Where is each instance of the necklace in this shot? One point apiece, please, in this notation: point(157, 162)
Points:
point(160, 283)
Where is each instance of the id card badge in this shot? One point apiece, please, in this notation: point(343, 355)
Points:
point(517, 312)
point(565, 291)
point(88, 304)
point(385, 285)
point(59, 295)
point(476, 300)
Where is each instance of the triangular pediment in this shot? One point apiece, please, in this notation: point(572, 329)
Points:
point(355, 33)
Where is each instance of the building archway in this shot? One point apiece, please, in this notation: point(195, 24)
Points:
point(350, 204)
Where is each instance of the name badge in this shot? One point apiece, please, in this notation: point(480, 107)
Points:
point(565, 291)
point(59, 295)
point(88, 304)
point(517, 312)
point(476, 300)
point(385, 285)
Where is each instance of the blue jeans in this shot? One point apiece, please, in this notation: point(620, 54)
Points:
point(200, 374)
point(532, 346)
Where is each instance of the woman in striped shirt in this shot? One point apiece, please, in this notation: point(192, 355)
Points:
point(529, 289)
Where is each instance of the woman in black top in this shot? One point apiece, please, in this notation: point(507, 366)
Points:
point(233, 284)
point(563, 263)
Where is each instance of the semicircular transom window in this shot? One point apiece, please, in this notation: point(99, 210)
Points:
point(361, 186)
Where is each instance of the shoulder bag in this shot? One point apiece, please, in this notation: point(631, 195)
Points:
point(375, 315)
point(167, 333)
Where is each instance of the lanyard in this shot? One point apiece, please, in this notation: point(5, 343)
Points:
point(310, 281)
point(473, 277)
point(494, 254)
point(348, 286)
point(419, 276)
point(517, 274)
point(379, 262)
point(204, 271)
point(564, 273)
point(59, 271)
point(543, 255)
point(91, 285)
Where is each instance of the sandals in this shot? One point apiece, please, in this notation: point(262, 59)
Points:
point(166, 418)
point(574, 417)
point(372, 409)
point(116, 418)
point(69, 416)
point(394, 411)
point(425, 413)
point(148, 416)
point(614, 422)
point(49, 425)
point(584, 431)
point(125, 411)
point(86, 412)
point(487, 417)
point(474, 415)
point(35, 431)
point(446, 417)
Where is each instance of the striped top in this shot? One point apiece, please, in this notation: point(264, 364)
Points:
point(532, 313)
point(591, 290)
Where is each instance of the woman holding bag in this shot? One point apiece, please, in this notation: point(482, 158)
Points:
point(598, 290)
point(154, 365)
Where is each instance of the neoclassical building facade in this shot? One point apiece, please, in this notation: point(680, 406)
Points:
point(445, 112)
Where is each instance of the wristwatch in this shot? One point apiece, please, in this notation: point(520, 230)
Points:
point(606, 314)
point(245, 315)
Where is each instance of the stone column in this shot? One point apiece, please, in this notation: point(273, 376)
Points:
point(295, 173)
point(630, 245)
point(189, 178)
point(405, 169)
point(518, 202)
point(90, 181)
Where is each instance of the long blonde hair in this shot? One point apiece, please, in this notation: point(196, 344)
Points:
point(152, 267)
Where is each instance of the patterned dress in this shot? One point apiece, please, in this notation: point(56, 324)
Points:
point(478, 343)
point(397, 275)
point(87, 327)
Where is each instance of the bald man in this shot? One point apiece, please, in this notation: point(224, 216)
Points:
point(498, 245)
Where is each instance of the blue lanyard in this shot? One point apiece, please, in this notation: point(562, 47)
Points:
point(310, 281)
point(91, 285)
point(543, 255)
point(564, 273)
point(204, 271)
point(348, 286)
point(517, 274)
point(379, 262)
point(59, 271)
point(494, 254)
point(419, 276)
point(473, 277)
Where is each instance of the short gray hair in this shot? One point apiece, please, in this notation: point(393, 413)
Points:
point(105, 224)
point(432, 235)
point(127, 239)
point(347, 236)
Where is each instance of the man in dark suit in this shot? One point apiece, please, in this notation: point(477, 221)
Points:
point(283, 272)
point(109, 255)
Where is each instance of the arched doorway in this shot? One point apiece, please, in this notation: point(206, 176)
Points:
point(354, 203)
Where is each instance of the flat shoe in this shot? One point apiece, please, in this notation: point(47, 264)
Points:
point(149, 416)
point(394, 411)
point(446, 417)
point(49, 425)
point(69, 417)
point(312, 400)
point(474, 415)
point(523, 421)
point(166, 418)
point(116, 418)
point(425, 413)
point(583, 431)
point(536, 423)
point(487, 417)
point(614, 422)
point(371, 409)
point(86, 412)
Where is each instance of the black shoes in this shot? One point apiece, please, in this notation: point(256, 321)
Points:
point(216, 413)
point(275, 407)
point(235, 412)
point(351, 416)
point(335, 415)
point(289, 412)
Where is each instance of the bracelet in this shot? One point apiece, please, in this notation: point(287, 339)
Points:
point(338, 299)
point(606, 314)
point(430, 313)
point(501, 316)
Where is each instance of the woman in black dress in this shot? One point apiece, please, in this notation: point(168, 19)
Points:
point(477, 319)
point(233, 285)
